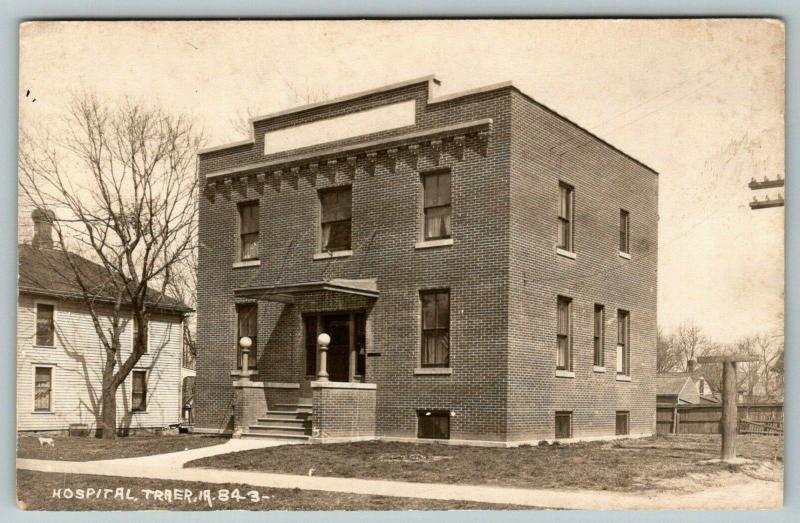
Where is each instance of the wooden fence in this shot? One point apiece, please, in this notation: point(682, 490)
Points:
point(754, 418)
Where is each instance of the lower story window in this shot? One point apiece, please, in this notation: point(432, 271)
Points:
point(139, 391)
point(563, 425)
point(43, 389)
point(433, 424)
point(623, 423)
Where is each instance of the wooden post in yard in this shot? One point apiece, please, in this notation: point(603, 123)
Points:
point(729, 410)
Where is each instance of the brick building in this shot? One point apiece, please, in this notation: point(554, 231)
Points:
point(485, 269)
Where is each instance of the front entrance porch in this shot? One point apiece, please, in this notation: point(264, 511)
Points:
point(330, 399)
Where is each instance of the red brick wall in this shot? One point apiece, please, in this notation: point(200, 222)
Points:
point(546, 150)
point(501, 270)
point(342, 413)
point(385, 229)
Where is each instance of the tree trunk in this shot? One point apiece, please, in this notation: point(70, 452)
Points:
point(107, 422)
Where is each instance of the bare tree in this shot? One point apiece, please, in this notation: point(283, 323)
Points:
point(295, 95)
point(135, 216)
point(690, 342)
point(668, 357)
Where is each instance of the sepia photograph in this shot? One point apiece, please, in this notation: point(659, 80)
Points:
point(394, 265)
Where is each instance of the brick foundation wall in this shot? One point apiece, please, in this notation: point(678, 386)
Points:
point(343, 412)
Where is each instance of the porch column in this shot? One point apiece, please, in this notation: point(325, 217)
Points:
point(323, 340)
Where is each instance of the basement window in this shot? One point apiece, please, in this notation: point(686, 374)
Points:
point(623, 423)
point(563, 425)
point(433, 424)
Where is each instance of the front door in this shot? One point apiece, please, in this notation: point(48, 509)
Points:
point(338, 327)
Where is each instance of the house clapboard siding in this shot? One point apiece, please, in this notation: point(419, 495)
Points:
point(77, 362)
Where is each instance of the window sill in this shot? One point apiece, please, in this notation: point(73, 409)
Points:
point(566, 254)
point(135, 412)
point(560, 373)
point(246, 263)
point(625, 255)
point(43, 347)
point(428, 244)
point(333, 254)
point(240, 374)
point(601, 370)
point(43, 412)
point(622, 377)
point(433, 371)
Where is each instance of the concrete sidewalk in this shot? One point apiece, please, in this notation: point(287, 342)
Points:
point(749, 494)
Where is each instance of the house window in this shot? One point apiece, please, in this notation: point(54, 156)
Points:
point(623, 423)
point(564, 333)
point(337, 208)
point(566, 214)
point(435, 328)
point(247, 320)
point(43, 389)
point(139, 391)
point(248, 231)
point(624, 231)
point(623, 342)
point(136, 335)
point(563, 425)
point(436, 207)
point(45, 325)
point(599, 334)
point(433, 424)
point(311, 345)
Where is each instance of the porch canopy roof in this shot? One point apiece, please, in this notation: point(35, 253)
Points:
point(285, 293)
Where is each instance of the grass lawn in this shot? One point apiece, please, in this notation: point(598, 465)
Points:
point(35, 491)
point(89, 449)
point(623, 465)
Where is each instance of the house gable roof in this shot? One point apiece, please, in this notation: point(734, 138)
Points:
point(47, 272)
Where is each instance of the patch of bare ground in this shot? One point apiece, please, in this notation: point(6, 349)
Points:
point(654, 463)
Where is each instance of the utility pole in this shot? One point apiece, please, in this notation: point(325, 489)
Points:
point(766, 184)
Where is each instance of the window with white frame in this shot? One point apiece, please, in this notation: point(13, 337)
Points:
point(436, 205)
point(45, 325)
point(599, 335)
point(248, 231)
point(624, 231)
point(623, 342)
point(43, 389)
point(336, 219)
point(566, 213)
point(564, 333)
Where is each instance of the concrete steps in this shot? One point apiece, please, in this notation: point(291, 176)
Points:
point(291, 422)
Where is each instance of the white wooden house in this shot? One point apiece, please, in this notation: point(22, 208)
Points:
point(60, 357)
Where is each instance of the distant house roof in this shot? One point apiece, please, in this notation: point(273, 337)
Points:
point(677, 387)
point(671, 384)
point(47, 272)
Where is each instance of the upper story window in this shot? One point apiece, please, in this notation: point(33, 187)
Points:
point(564, 333)
point(337, 212)
point(248, 231)
point(436, 205)
point(624, 231)
point(599, 334)
point(45, 325)
point(247, 325)
point(566, 213)
point(623, 342)
point(435, 328)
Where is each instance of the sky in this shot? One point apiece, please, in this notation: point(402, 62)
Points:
point(699, 101)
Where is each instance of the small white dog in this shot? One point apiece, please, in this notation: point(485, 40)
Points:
point(46, 441)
